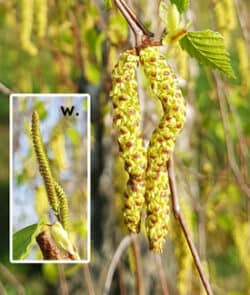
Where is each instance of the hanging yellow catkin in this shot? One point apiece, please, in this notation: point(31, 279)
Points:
point(26, 26)
point(225, 18)
point(164, 85)
point(220, 18)
point(231, 18)
point(126, 121)
point(41, 17)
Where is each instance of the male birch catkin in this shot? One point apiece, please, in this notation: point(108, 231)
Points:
point(41, 17)
point(27, 10)
point(126, 120)
point(164, 85)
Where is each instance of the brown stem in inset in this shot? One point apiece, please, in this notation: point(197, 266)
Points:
point(181, 220)
point(88, 279)
point(160, 272)
point(49, 248)
point(125, 242)
point(138, 267)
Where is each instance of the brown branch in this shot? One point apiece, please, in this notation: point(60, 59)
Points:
point(2, 289)
point(125, 242)
point(229, 143)
point(140, 32)
point(120, 271)
point(138, 267)
point(5, 272)
point(180, 218)
point(5, 90)
point(64, 290)
point(160, 271)
point(74, 17)
point(242, 147)
point(88, 279)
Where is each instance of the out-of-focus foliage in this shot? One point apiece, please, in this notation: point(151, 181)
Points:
point(76, 48)
point(182, 5)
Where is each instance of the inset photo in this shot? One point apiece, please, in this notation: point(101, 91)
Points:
point(49, 178)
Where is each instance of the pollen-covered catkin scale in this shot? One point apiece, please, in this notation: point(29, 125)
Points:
point(164, 86)
point(43, 163)
point(126, 120)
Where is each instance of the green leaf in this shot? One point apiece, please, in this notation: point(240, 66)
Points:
point(182, 5)
point(170, 16)
point(208, 48)
point(24, 240)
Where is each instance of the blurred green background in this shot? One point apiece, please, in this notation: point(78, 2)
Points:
point(71, 46)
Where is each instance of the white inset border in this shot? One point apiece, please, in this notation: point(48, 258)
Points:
point(12, 97)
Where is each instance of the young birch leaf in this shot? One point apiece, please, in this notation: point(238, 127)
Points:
point(208, 48)
point(170, 16)
point(25, 239)
point(182, 5)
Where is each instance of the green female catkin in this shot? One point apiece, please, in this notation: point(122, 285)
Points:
point(63, 205)
point(126, 121)
point(164, 86)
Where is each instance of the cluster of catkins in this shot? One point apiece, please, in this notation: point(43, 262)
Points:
point(56, 195)
point(147, 168)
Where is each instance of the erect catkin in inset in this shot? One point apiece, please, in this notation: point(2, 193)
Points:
point(43, 163)
point(164, 85)
point(126, 121)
